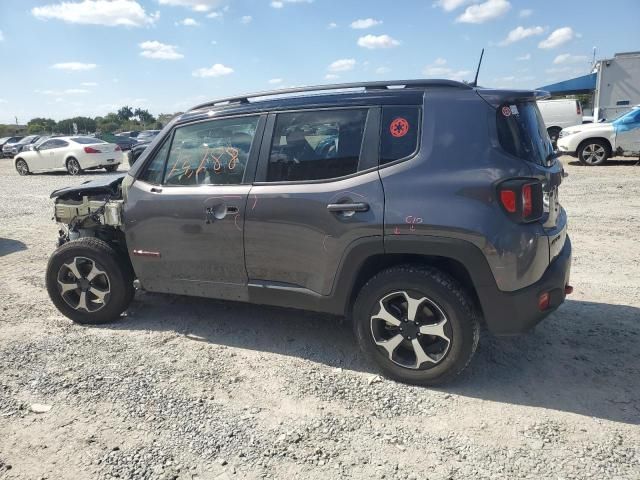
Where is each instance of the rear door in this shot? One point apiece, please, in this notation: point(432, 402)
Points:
point(317, 191)
point(522, 133)
point(184, 212)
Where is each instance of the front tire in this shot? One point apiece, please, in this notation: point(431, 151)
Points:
point(593, 152)
point(111, 168)
point(73, 167)
point(417, 324)
point(22, 168)
point(89, 282)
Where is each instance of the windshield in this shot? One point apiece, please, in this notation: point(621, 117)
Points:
point(28, 139)
point(625, 114)
point(522, 133)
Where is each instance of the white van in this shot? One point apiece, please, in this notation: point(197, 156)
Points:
point(559, 114)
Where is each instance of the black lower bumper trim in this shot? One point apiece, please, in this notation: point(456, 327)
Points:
point(511, 313)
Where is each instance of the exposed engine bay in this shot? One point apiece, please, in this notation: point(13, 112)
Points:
point(91, 209)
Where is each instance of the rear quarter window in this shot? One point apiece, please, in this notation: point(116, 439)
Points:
point(399, 133)
point(522, 132)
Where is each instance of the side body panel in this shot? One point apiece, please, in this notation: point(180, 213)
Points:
point(448, 189)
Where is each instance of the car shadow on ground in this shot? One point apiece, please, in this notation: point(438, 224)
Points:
point(583, 359)
point(8, 245)
point(627, 162)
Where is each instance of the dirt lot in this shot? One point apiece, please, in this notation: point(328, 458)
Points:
point(187, 388)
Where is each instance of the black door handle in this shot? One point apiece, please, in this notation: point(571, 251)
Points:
point(348, 207)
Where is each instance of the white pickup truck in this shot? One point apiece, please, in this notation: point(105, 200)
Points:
point(594, 143)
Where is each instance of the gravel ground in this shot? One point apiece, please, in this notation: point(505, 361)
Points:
point(188, 388)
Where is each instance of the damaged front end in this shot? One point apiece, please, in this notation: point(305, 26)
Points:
point(91, 209)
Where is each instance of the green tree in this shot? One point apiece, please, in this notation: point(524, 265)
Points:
point(41, 125)
point(85, 125)
point(125, 113)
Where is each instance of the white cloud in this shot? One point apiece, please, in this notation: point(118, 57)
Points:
point(195, 5)
point(2, 100)
point(89, 84)
point(74, 66)
point(377, 41)
point(1, 36)
point(68, 91)
point(246, 19)
point(342, 65)
point(275, 81)
point(363, 23)
point(525, 12)
point(568, 58)
point(331, 76)
point(282, 3)
point(214, 14)
point(439, 69)
point(382, 70)
point(526, 56)
point(128, 13)
point(484, 12)
point(332, 25)
point(159, 51)
point(188, 22)
point(216, 70)
point(520, 33)
point(558, 37)
point(450, 5)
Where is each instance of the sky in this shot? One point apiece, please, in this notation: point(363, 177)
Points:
point(89, 57)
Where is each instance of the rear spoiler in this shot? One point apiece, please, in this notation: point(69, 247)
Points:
point(495, 97)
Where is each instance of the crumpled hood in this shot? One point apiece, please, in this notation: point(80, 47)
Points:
point(107, 184)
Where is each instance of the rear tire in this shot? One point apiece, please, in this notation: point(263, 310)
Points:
point(89, 282)
point(22, 168)
point(593, 152)
point(111, 168)
point(73, 166)
point(417, 324)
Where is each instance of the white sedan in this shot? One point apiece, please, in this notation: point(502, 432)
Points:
point(594, 143)
point(75, 154)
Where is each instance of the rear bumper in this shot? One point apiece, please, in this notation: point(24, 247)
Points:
point(512, 313)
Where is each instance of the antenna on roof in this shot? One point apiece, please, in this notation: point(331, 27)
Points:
point(475, 80)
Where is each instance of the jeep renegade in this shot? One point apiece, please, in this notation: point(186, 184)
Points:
point(420, 209)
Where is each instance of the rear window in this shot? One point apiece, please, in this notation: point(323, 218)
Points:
point(522, 133)
point(87, 140)
point(399, 136)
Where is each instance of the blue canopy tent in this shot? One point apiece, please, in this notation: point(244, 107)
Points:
point(573, 86)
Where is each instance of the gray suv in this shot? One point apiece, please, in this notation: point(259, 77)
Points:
point(420, 212)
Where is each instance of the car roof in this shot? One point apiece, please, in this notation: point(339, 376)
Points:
point(395, 92)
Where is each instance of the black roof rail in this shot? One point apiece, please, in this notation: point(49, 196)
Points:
point(379, 85)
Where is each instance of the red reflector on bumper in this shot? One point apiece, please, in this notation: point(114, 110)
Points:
point(543, 301)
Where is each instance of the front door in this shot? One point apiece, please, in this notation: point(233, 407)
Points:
point(184, 214)
point(628, 132)
point(316, 192)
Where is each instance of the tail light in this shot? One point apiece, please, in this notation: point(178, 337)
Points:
point(91, 150)
point(522, 199)
point(578, 108)
point(118, 149)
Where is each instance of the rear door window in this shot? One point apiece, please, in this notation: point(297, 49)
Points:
point(316, 145)
point(399, 135)
point(522, 132)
